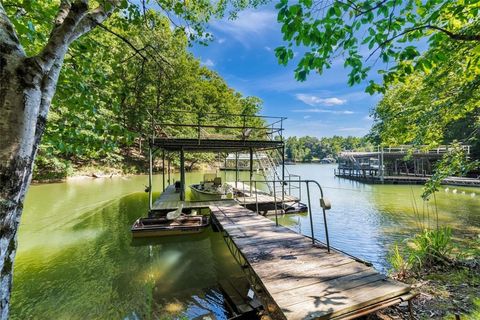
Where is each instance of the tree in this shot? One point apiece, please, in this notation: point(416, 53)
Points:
point(438, 107)
point(438, 86)
point(30, 63)
point(363, 31)
point(431, 108)
point(304, 149)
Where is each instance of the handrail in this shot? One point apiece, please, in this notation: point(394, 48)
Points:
point(420, 149)
point(220, 114)
point(194, 125)
point(231, 126)
point(307, 182)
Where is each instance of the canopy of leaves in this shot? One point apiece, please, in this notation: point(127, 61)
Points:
point(361, 32)
point(131, 70)
point(435, 107)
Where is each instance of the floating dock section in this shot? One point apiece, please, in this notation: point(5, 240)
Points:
point(299, 280)
point(169, 200)
point(259, 200)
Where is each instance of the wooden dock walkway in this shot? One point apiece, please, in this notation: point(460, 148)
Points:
point(297, 280)
point(170, 200)
point(249, 196)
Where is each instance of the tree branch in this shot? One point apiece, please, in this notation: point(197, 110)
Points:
point(128, 42)
point(63, 12)
point(66, 21)
point(94, 18)
point(454, 36)
point(9, 42)
point(359, 10)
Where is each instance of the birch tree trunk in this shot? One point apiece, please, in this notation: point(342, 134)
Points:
point(27, 86)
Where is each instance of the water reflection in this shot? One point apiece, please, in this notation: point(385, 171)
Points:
point(87, 267)
point(366, 219)
point(77, 260)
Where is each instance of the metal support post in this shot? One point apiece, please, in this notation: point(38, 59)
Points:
point(310, 213)
point(251, 169)
point(163, 171)
point(169, 160)
point(236, 170)
point(182, 175)
point(275, 201)
point(150, 173)
point(256, 196)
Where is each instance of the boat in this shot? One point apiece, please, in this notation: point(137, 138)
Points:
point(211, 188)
point(161, 226)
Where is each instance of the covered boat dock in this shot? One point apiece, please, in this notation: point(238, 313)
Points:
point(295, 276)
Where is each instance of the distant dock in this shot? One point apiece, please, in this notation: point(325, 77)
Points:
point(451, 181)
point(398, 165)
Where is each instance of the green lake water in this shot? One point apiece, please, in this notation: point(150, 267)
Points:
point(76, 258)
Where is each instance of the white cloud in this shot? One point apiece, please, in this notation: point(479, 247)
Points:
point(307, 117)
point(221, 40)
point(316, 110)
point(313, 100)
point(267, 48)
point(208, 63)
point(249, 25)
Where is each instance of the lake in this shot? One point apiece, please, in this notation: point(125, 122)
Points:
point(76, 258)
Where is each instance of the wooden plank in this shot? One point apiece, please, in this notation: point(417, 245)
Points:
point(301, 242)
point(261, 240)
point(252, 224)
point(340, 302)
point(296, 256)
point(297, 274)
point(304, 293)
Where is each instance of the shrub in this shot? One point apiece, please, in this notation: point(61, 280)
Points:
point(428, 249)
point(400, 265)
point(431, 247)
point(51, 168)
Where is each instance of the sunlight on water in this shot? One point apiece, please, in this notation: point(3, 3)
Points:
point(366, 219)
point(77, 260)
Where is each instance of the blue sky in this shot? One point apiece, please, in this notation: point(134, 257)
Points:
point(242, 52)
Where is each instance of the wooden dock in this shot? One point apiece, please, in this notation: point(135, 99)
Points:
point(170, 200)
point(297, 280)
point(409, 179)
point(249, 197)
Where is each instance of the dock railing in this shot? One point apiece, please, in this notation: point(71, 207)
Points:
point(403, 149)
point(177, 124)
point(324, 202)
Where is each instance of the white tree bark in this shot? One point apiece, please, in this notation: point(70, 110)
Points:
point(27, 86)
